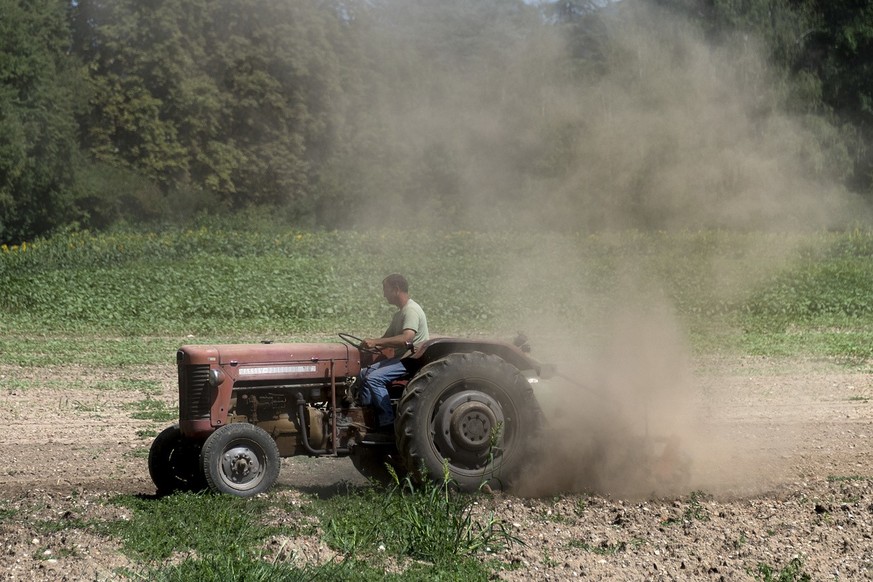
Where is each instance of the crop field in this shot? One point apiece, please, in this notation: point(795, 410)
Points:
point(763, 339)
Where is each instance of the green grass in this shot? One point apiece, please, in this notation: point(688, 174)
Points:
point(422, 522)
point(185, 524)
point(20, 347)
point(152, 409)
point(428, 530)
point(791, 572)
point(604, 549)
point(129, 298)
point(694, 511)
point(846, 478)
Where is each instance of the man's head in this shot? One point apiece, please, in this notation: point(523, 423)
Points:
point(395, 289)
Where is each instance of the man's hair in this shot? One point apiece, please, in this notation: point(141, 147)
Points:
point(397, 282)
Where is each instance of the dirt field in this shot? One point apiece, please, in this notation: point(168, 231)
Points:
point(781, 468)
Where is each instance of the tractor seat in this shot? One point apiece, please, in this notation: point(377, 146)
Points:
point(396, 388)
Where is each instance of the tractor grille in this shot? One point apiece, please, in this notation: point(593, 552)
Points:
point(194, 393)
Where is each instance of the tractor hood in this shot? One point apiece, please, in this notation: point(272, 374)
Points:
point(233, 354)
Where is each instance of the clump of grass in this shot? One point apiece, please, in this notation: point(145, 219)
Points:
point(152, 409)
point(694, 510)
point(188, 523)
point(192, 537)
point(844, 478)
point(231, 566)
point(435, 523)
point(791, 572)
point(429, 521)
point(604, 549)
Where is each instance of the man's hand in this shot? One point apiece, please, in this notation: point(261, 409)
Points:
point(397, 341)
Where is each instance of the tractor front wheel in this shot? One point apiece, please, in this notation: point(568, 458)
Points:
point(470, 415)
point(174, 462)
point(240, 459)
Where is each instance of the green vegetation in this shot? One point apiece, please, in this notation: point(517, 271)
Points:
point(694, 511)
point(153, 409)
point(845, 478)
point(190, 523)
point(604, 549)
point(776, 295)
point(791, 572)
point(423, 522)
point(429, 530)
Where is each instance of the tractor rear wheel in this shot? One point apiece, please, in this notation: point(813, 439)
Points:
point(471, 414)
point(174, 462)
point(240, 459)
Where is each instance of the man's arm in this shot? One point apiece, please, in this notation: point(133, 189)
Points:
point(395, 341)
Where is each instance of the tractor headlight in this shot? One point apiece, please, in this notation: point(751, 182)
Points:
point(216, 377)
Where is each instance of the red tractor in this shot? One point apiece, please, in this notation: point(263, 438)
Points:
point(466, 407)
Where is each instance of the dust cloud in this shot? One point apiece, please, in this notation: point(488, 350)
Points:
point(632, 418)
point(646, 126)
point(628, 119)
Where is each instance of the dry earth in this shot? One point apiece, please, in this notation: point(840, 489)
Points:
point(782, 468)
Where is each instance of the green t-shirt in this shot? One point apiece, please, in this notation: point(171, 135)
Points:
point(410, 316)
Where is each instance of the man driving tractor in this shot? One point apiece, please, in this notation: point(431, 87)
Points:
point(408, 328)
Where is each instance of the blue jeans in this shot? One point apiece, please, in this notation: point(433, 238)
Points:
point(374, 387)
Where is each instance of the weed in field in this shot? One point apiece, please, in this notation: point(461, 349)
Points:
point(64, 523)
point(90, 406)
point(603, 549)
point(845, 478)
point(550, 515)
point(13, 385)
point(428, 522)
point(435, 523)
point(146, 433)
point(138, 453)
point(580, 506)
point(791, 572)
point(152, 409)
point(46, 554)
point(694, 510)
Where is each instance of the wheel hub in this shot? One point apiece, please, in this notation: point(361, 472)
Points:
point(240, 465)
point(471, 425)
point(464, 425)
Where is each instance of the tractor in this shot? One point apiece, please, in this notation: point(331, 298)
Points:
point(466, 410)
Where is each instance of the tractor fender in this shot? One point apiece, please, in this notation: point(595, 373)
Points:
point(439, 348)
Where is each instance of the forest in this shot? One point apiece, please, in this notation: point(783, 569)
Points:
point(567, 116)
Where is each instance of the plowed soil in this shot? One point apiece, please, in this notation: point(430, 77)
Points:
point(780, 473)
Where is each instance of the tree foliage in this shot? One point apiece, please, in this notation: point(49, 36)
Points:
point(39, 94)
point(455, 113)
point(839, 52)
point(230, 97)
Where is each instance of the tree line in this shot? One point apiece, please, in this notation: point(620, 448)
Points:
point(334, 113)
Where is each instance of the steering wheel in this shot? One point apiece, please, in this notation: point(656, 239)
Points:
point(358, 343)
